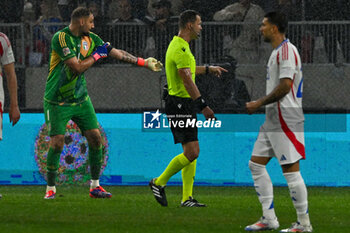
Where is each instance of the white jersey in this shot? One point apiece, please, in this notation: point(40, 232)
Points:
point(6, 57)
point(284, 62)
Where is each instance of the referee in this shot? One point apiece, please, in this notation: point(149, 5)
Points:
point(182, 104)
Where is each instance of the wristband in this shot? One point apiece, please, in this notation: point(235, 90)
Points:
point(140, 61)
point(96, 56)
point(200, 103)
point(206, 70)
point(109, 48)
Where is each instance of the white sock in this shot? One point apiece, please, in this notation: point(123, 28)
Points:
point(94, 184)
point(53, 188)
point(298, 193)
point(264, 189)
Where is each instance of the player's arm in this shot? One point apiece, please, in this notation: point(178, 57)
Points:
point(62, 45)
point(190, 86)
point(79, 67)
point(275, 95)
point(192, 89)
point(14, 112)
point(118, 54)
point(150, 63)
point(215, 70)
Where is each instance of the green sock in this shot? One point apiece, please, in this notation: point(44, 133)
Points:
point(175, 165)
point(53, 163)
point(95, 158)
point(188, 174)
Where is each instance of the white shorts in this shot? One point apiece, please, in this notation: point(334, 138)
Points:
point(1, 111)
point(286, 145)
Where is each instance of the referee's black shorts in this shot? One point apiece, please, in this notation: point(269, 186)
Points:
point(180, 110)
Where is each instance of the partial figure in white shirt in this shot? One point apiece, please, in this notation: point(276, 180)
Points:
point(282, 134)
point(8, 64)
point(245, 43)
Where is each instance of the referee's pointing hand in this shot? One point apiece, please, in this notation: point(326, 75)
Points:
point(216, 70)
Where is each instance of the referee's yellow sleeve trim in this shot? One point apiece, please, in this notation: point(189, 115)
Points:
point(62, 39)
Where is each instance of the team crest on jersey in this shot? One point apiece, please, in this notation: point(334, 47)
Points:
point(85, 45)
point(66, 51)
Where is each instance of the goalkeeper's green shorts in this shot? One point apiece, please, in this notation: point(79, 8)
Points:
point(57, 117)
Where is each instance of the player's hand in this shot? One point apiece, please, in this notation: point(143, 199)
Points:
point(153, 64)
point(208, 113)
point(101, 51)
point(252, 106)
point(14, 114)
point(216, 70)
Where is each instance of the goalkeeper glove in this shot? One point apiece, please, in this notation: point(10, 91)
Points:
point(151, 63)
point(102, 51)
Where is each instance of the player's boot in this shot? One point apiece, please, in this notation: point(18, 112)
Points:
point(158, 192)
point(263, 225)
point(50, 195)
point(297, 227)
point(99, 192)
point(192, 203)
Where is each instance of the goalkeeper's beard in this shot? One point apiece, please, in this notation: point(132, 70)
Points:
point(85, 33)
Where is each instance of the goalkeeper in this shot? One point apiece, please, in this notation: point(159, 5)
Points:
point(74, 49)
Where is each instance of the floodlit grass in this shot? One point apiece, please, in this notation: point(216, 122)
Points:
point(134, 209)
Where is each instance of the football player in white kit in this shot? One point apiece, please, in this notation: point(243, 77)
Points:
point(7, 63)
point(282, 134)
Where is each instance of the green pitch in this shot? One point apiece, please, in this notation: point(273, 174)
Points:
point(134, 210)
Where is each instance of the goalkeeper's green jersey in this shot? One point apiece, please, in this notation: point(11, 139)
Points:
point(178, 56)
point(64, 87)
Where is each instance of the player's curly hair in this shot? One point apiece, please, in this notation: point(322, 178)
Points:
point(279, 19)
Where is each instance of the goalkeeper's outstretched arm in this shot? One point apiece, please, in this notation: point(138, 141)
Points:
point(150, 63)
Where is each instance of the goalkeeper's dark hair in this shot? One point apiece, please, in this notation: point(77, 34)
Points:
point(279, 19)
point(188, 16)
point(80, 12)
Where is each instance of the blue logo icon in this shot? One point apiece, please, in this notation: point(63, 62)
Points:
point(283, 158)
point(151, 120)
point(300, 92)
